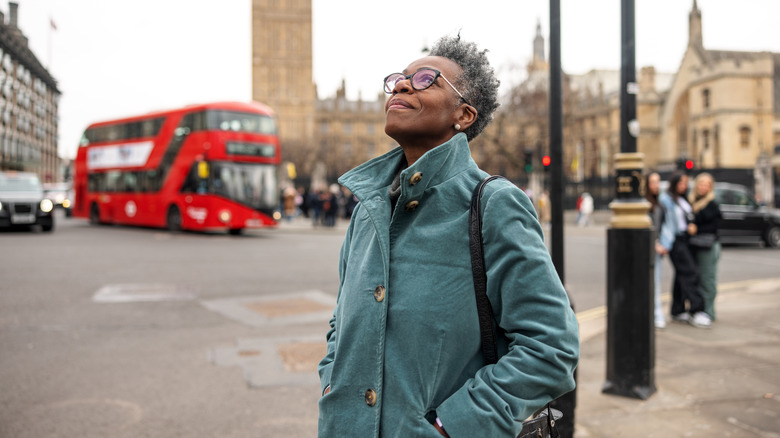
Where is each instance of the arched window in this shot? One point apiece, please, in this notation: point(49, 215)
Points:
point(705, 98)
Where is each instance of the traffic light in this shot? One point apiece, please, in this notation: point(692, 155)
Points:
point(529, 161)
point(546, 162)
point(685, 164)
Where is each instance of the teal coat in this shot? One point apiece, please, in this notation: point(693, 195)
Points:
point(404, 339)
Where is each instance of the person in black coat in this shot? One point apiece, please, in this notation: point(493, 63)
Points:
point(705, 242)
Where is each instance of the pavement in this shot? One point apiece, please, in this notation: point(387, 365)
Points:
point(718, 382)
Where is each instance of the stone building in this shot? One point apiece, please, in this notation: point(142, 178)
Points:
point(323, 138)
point(28, 106)
point(350, 132)
point(721, 110)
point(282, 72)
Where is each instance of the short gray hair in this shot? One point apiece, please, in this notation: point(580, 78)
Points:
point(477, 82)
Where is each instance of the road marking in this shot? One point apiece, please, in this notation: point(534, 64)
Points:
point(139, 292)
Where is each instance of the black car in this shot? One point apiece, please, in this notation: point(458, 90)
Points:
point(22, 201)
point(743, 219)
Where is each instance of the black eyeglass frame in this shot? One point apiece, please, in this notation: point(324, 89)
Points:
point(437, 75)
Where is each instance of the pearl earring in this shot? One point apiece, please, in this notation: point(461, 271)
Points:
point(457, 127)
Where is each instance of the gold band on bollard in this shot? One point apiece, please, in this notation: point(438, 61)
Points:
point(630, 214)
point(630, 209)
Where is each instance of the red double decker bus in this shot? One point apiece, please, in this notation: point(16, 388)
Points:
point(210, 167)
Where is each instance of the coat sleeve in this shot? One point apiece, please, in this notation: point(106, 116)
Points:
point(531, 307)
point(326, 364)
point(669, 226)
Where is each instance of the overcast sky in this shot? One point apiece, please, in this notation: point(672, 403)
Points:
point(115, 58)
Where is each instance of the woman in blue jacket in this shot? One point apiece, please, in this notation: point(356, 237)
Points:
point(403, 357)
point(675, 232)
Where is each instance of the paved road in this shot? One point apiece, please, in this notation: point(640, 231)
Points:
point(127, 332)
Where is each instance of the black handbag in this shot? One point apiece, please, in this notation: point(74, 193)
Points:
point(543, 423)
point(702, 241)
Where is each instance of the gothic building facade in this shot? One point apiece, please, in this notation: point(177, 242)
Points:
point(720, 110)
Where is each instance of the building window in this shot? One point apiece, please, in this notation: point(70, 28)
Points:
point(705, 137)
point(744, 137)
point(347, 128)
point(324, 127)
point(705, 97)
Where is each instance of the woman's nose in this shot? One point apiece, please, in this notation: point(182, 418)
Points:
point(403, 86)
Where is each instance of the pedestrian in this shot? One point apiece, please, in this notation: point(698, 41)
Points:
point(653, 186)
point(544, 208)
point(585, 209)
point(316, 205)
point(675, 232)
point(288, 201)
point(330, 205)
point(302, 201)
point(706, 217)
point(404, 349)
point(350, 201)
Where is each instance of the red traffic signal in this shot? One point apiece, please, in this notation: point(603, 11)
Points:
point(689, 164)
point(546, 160)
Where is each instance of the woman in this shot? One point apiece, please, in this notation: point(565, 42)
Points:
point(653, 184)
point(403, 357)
point(707, 218)
point(675, 232)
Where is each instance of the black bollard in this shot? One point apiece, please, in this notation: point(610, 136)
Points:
point(630, 328)
point(630, 247)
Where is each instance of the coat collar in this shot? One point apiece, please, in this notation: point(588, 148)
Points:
point(435, 166)
point(698, 204)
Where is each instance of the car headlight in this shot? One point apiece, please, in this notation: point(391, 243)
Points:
point(66, 203)
point(47, 205)
point(1, 206)
point(224, 216)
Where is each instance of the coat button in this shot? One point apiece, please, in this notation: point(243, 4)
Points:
point(411, 205)
point(379, 293)
point(370, 397)
point(417, 177)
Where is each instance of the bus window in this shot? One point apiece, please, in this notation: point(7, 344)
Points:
point(113, 178)
point(237, 121)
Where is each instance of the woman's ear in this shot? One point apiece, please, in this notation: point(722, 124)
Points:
point(466, 115)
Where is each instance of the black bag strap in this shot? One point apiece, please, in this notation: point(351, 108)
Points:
point(542, 425)
point(486, 327)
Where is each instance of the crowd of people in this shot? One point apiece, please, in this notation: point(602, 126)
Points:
point(686, 227)
point(323, 206)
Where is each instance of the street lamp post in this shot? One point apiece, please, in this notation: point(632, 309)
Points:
point(567, 402)
point(630, 327)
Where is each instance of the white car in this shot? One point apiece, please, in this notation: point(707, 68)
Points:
point(22, 202)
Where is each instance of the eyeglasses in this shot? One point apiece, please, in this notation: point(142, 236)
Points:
point(421, 80)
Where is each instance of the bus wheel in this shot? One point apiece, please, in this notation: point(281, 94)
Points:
point(94, 214)
point(235, 231)
point(174, 219)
